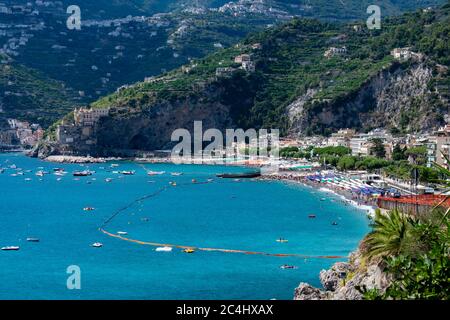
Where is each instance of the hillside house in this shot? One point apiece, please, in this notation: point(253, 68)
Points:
point(242, 58)
point(405, 54)
point(334, 51)
point(89, 117)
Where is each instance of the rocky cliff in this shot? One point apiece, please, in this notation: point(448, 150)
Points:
point(402, 97)
point(345, 281)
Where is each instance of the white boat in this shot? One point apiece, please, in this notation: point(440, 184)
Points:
point(155, 173)
point(40, 173)
point(33, 240)
point(97, 245)
point(176, 174)
point(108, 180)
point(164, 249)
point(122, 233)
point(127, 173)
point(10, 248)
point(84, 173)
point(114, 165)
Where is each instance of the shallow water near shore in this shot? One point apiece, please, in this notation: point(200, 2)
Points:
point(246, 215)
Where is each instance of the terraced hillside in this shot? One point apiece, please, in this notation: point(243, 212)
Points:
point(298, 85)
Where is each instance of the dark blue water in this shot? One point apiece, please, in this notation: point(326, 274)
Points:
point(246, 215)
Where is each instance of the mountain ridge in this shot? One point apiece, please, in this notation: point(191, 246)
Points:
point(290, 61)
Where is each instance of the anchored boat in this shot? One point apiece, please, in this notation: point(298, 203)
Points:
point(248, 175)
point(82, 173)
point(163, 249)
point(155, 173)
point(11, 248)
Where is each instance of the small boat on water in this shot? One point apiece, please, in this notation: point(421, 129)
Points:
point(323, 199)
point(13, 166)
point(335, 223)
point(173, 184)
point(2, 170)
point(97, 245)
point(33, 239)
point(312, 216)
point(188, 250)
point(84, 173)
point(286, 266)
point(164, 249)
point(89, 209)
point(108, 180)
point(248, 175)
point(11, 248)
point(127, 173)
point(122, 233)
point(176, 174)
point(114, 165)
point(40, 173)
point(155, 173)
point(282, 240)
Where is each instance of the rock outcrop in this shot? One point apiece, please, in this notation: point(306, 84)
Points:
point(401, 97)
point(346, 281)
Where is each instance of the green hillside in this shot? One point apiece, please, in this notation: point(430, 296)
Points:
point(292, 62)
point(27, 94)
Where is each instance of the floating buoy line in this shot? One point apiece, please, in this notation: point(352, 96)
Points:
point(154, 244)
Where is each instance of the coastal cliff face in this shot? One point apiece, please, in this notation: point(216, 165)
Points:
point(403, 96)
point(152, 129)
point(345, 281)
point(129, 131)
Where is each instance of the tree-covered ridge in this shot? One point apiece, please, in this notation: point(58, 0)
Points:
point(24, 88)
point(291, 62)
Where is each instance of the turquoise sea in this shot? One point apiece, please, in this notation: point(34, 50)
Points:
point(245, 215)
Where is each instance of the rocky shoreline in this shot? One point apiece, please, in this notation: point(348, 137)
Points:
point(346, 280)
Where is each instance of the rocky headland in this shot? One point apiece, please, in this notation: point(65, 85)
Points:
point(346, 280)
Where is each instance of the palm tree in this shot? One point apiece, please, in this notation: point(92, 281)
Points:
point(390, 236)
